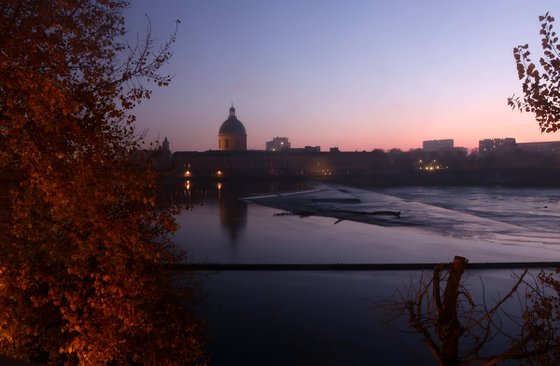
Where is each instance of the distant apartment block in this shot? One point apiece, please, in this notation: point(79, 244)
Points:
point(548, 147)
point(435, 145)
point(278, 144)
point(489, 145)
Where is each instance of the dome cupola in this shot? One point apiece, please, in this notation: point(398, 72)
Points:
point(232, 135)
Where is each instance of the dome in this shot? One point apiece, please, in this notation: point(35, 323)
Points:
point(232, 125)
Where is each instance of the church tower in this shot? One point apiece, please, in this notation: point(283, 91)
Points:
point(232, 135)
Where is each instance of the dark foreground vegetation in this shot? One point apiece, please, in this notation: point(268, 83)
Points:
point(82, 242)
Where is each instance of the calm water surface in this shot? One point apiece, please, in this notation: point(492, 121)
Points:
point(321, 318)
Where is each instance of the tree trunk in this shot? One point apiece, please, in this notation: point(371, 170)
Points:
point(448, 327)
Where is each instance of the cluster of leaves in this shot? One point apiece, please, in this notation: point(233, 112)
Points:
point(542, 319)
point(541, 92)
point(83, 246)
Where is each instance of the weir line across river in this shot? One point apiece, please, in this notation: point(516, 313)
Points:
point(355, 266)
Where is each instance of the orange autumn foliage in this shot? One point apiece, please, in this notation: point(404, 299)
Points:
point(540, 81)
point(83, 247)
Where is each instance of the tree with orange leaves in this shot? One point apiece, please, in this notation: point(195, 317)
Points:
point(83, 246)
point(541, 82)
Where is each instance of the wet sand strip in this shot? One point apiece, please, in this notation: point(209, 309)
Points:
point(356, 266)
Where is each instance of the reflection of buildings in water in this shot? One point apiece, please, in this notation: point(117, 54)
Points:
point(232, 211)
point(233, 216)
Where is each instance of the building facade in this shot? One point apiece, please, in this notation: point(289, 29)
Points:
point(435, 145)
point(490, 145)
point(278, 144)
point(290, 163)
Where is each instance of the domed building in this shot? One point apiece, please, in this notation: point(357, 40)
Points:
point(232, 135)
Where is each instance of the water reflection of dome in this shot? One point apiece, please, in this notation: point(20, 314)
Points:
point(232, 135)
point(233, 216)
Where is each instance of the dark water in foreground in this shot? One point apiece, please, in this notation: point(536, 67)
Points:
point(328, 318)
point(318, 318)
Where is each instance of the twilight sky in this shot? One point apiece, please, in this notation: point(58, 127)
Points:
point(357, 74)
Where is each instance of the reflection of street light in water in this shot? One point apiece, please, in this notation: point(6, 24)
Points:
point(219, 187)
point(188, 190)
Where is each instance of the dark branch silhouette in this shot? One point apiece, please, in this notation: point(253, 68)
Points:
point(458, 331)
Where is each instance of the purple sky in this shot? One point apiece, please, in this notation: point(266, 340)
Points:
point(357, 74)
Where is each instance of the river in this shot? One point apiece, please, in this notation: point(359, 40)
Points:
point(328, 317)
